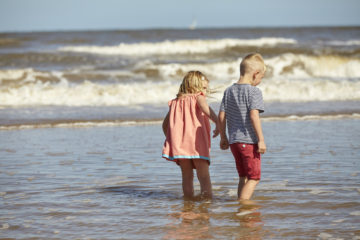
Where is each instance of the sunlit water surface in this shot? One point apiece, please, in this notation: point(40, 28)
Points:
point(111, 183)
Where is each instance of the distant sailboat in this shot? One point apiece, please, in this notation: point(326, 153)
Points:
point(193, 25)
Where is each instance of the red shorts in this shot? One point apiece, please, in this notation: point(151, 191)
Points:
point(248, 160)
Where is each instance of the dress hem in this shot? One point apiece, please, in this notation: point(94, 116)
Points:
point(174, 158)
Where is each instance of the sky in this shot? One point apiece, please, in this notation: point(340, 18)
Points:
point(62, 15)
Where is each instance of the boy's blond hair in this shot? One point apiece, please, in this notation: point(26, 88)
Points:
point(251, 63)
point(192, 83)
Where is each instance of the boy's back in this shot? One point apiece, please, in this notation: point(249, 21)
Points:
point(240, 108)
point(238, 101)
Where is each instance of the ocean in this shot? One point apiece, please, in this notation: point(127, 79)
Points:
point(121, 76)
point(81, 138)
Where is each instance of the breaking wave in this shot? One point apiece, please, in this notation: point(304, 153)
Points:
point(290, 77)
point(176, 47)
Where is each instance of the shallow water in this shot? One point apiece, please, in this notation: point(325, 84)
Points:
point(110, 183)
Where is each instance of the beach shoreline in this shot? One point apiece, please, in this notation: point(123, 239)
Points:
point(73, 123)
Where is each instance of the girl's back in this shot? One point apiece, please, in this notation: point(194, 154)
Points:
point(187, 130)
point(188, 134)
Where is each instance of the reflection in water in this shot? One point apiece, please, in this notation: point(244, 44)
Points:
point(250, 221)
point(194, 222)
point(197, 220)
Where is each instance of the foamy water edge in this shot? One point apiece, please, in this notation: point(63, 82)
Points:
point(116, 123)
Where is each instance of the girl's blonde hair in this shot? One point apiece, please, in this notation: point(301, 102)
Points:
point(193, 83)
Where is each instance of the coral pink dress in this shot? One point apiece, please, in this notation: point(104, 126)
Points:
point(188, 134)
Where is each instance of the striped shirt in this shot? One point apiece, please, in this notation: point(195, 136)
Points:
point(237, 102)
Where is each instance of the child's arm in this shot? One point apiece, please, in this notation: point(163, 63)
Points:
point(224, 142)
point(255, 120)
point(165, 124)
point(201, 100)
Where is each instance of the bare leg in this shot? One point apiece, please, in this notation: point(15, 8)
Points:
point(202, 172)
point(187, 177)
point(248, 189)
point(241, 184)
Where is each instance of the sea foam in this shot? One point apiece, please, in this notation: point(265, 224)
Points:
point(87, 93)
point(290, 78)
point(176, 47)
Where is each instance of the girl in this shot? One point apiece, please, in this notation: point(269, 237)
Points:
point(187, 131)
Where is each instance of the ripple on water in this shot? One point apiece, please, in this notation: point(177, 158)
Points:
point(97, 153)
point(7, 150)
point(57, 154)
point(108, 189)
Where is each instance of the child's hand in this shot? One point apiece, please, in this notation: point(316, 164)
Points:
point(224, 143)
point(216, 132)
point(261, 147)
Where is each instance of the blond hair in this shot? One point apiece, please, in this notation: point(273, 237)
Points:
point(251, 63)
point(192, 83)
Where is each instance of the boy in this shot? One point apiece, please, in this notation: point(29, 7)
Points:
point(240, 108)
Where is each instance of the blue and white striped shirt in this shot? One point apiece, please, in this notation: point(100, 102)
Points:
point(237, 102)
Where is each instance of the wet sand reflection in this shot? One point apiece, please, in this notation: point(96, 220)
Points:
point(198, 220)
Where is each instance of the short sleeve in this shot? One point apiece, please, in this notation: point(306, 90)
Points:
point(222, 105)
point(256, 100)
point(170, 102)
point(197, 95)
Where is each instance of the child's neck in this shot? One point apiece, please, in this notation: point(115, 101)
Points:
point(246, 79)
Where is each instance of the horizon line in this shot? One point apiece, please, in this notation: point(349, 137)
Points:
point(174, 28)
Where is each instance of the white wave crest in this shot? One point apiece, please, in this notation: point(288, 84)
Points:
point(295, 78)
point(25, 75)
point(293, 65)
point(87, 94)
point(176, 47)
point(354, 42)
point(302, 90)
point(290, 66)
point(355, 213)
point(94, 94)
